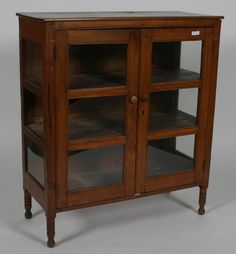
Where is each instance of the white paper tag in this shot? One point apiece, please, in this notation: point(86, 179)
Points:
point(194, 33)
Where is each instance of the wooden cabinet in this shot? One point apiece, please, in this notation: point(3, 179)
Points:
point(115, 106)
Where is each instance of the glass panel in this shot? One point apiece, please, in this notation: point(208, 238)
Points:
point(105, 167)
point(34, 113)
point(97, 65)
point(170, 155)
point(35, 162)
point(173, 109)
point(96, 117)
point(32, 58)
point(175, 61)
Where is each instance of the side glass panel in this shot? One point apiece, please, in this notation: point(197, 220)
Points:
point(173, 109)
point(176, 61)
point(172, 155)
point(95, 167)
point(33, 113)
point(97, 65)
point(35, 161)
point(96, 117)
point(32, 57)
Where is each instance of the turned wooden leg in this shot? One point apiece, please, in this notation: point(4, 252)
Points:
point(202, 200)
point(51, 232)
point(28, 204)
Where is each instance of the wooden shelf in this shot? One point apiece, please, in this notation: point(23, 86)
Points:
point(106, 168)
point(163, 75)
point(37, 129)
point(98, 173)
point(161, 162)
point(32, 87)
point(35, 165)
point(97, 117)
point(93, 80)
point(92, 127)
point(175, 119)
point(113, 79)
point(35, 133)
point(97, 92)
point(110, 122)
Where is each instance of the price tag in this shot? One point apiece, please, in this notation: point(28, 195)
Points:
point(195, 33)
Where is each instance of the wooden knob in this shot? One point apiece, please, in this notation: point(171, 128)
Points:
point(145, 98)
point(134, 99)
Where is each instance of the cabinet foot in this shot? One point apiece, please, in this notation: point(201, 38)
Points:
point(202, 201)
point(51, 243)
point(28, 204)
point(51, 232)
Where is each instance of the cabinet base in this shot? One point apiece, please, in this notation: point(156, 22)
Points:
point(202, 200)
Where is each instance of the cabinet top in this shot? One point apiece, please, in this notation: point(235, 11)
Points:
point(60, 16)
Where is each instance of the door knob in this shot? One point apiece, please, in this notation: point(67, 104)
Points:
point(134, 99)
point(145, 98)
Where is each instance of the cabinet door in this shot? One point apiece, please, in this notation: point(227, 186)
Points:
point(97, 77)
point(174, 88)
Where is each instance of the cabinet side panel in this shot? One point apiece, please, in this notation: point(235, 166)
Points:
point(24, 166)
point(31, 30)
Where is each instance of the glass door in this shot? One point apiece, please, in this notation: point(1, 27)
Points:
point(174, 89)
point(96, 114)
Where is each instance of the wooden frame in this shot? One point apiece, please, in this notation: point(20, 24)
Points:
point(55, 33)
point(165, 35)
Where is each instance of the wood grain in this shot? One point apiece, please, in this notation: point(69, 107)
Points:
point(75, 61)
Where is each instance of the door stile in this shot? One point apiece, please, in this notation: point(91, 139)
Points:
point(61, 117)
point(143, 108)
point(131, 112)
point(211, 105)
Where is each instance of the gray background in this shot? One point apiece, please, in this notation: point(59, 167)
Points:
point(165, 223)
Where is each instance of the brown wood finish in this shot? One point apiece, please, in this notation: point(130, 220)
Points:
point(33, 136)
point(49, 114)
point(211, 106)
point(166, 86)
point(30, 86)
point(172, 133)
point(128, 24)
point(144, 81)
point(114, 61)
point(203, 103)
point(35, 189)
point(166, 190)
point(28, 204)
point(31, 30)
point(61, 117)
point(97, 92)
point(75, 145)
